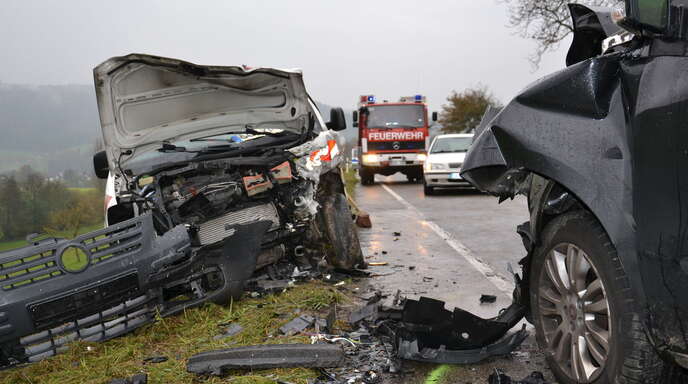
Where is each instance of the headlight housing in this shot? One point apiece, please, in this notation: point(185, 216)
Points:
point(422, 157)
point(437, 167)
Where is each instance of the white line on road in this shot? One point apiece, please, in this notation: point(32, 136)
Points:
point(485, 269)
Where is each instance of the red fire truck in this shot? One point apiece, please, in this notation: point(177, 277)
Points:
point(392, 137)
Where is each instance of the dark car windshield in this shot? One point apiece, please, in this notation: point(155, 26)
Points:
point(452, 144)
point(396, 116)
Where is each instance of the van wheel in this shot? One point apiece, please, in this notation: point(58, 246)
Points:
point(583, 308)
point(344, 248)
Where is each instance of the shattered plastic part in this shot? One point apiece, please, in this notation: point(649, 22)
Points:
point(266, 357)
point(409, 350)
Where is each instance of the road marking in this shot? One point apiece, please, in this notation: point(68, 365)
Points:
point(507, 287)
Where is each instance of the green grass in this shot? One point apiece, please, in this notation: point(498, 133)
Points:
point(350, 181)
point(12, 244)
point(179, 337)
point(81, 189)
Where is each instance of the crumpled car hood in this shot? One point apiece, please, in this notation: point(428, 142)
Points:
point(145, 100)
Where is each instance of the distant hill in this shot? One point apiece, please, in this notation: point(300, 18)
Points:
point(50, 127)
point(55, 127)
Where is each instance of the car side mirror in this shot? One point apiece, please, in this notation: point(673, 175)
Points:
point(434, 116)
point(355, 117)
point(100, 165)
point(337, 120)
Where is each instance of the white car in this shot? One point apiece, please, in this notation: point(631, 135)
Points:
point(444, 162)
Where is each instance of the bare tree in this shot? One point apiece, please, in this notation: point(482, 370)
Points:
point(546, 21)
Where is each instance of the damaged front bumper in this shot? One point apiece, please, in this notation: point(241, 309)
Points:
point(100, 285)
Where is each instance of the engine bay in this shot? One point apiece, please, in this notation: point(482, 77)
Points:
point(211, 197)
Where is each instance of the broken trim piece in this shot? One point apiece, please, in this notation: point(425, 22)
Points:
point(409, 350)
point(266, 357)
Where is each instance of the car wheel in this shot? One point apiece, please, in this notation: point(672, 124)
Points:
point(583, 308)
point(428, 191)
point(344, 248)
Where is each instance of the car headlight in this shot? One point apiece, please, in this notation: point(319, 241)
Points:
point(437, 167)
point(422, 157)
point(371, 158)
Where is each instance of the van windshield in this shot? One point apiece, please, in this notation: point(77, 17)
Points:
point(396, 116)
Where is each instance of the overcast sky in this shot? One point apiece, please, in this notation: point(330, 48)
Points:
point(345, 48)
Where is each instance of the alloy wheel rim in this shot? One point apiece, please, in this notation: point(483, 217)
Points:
point(574, 313)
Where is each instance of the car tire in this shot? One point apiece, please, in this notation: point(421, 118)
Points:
point(344, 247)
point(576, 274)
point(428, 191)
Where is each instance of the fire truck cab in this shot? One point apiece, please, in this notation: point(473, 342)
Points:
point(392, 137)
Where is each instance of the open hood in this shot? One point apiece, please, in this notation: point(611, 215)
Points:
point(146, 100)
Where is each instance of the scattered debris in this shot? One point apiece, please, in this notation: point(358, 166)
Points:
point(412, 267)
point(297, 325)
point(499, 377)
point(397, 234)
point(141, 378)
point(369, 312)
point(488, 299)
point(232, 330)
point(378, 263)
point(363, 220)
point(424, 330)
point(155, 359)
point(266, 357)
point(384, 252)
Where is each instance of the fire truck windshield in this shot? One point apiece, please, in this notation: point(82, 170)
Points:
point(396, 116)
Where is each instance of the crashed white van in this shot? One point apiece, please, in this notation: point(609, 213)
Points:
point(214, 172)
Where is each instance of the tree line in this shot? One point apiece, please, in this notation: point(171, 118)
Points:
point(32, 203)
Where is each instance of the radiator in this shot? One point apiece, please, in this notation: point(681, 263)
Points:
point(215, 230)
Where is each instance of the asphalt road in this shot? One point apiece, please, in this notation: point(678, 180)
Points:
point(454, 247)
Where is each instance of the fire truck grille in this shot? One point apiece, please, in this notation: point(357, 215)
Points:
point(396, 145)
point(215, 230)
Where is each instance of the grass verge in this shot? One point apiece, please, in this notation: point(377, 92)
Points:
point(179, 337)
point(350, 181)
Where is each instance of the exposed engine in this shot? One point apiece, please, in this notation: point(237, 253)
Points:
point(212, 197)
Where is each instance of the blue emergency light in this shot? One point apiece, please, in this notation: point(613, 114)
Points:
point(419, 98)
point(371, 99)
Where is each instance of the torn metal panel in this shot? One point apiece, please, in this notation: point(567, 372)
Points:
point(266, 357)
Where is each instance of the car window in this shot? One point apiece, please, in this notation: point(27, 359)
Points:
point(451, 144)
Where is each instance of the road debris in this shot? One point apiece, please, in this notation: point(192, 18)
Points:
point(488, 299)
point(297, 325)
point(499, 377)
point(141, 378)
point(155, 359)
point(232, 330)
point(266, 357)
point(378, 263)
point(363, 220)
point(397, 234)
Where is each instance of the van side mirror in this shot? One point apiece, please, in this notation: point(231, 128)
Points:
point(434, 116)
point(100, 165)
point(337, 120)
